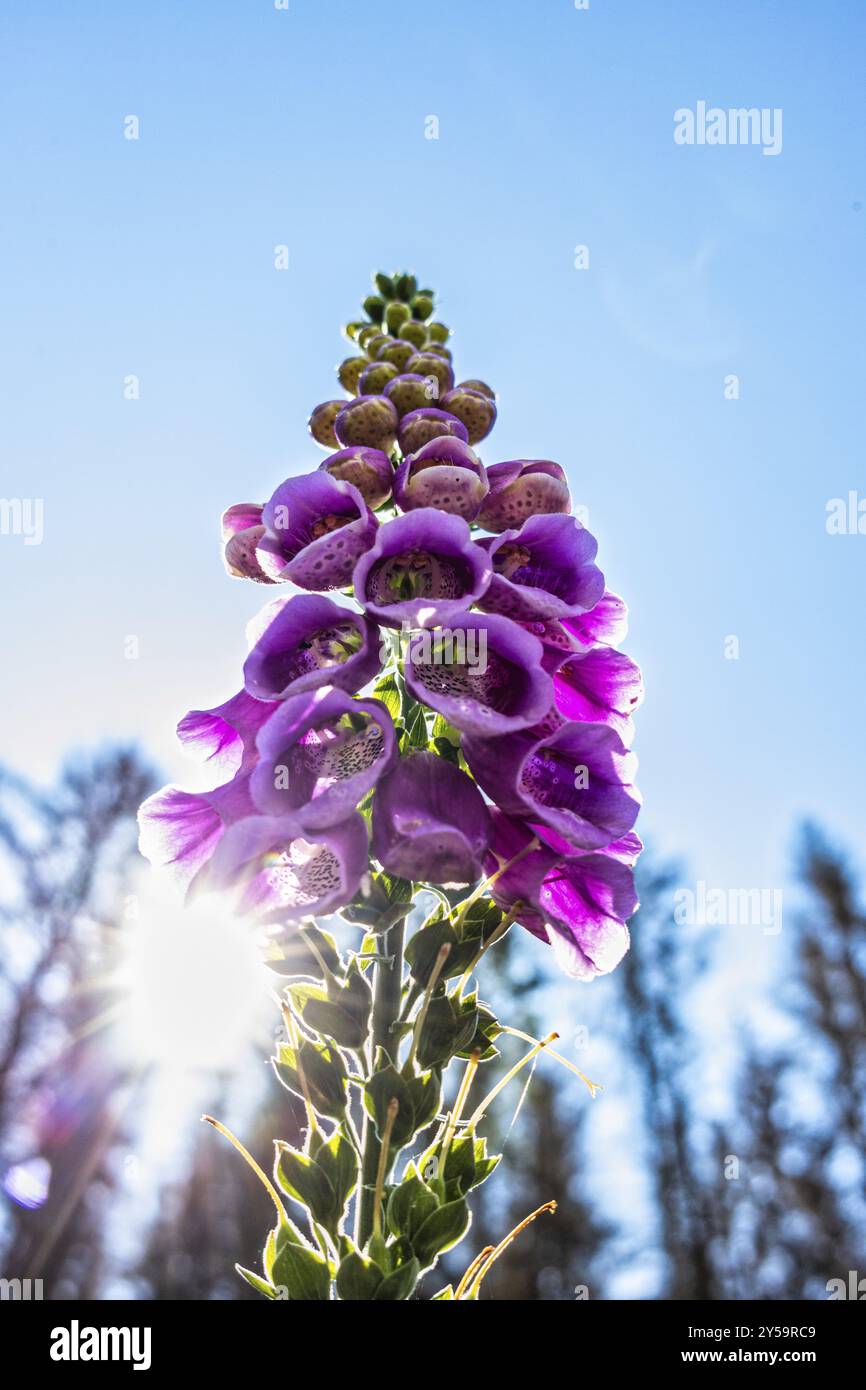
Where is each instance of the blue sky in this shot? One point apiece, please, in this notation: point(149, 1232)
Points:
point(259, 127)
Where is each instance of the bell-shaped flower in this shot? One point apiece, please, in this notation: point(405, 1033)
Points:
point(301, 643)
point(543, 571)
point(520, 488)
point(430, 822)
point(483, 673)
point(316, 527)
point(446, 474)
point(422, 567)
point(369, 470)
point(319, 756)
point(578, 780)
point(281, 872)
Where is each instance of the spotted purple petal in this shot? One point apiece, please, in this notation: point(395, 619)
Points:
point(423, 566)
point(301, 643)
point(483, 673)
point(445, 474)
point(543, 571)
point(521, 488)
point(316, 529)
point(283, 872)
point(426, 423)
point(319, 756)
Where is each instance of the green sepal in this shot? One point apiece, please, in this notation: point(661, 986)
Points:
point(386, 1084)
point(424, 947)
point(338, 1161)
point(400, 1284)
point(324, 1073)
point(291, 1264)
point(409, 1206)
point(358, 1279)
point(374, 307)
point(341, 1011)
point(385, 285)
point(450, 1025)
point(301, 1178)
point(489, 1028)
point(257, 1282)
point(442, 1229)
point(406, 286)
point(425, 1091)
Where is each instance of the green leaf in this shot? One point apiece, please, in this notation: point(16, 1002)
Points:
point(357, 1279)
point(386, 1084)
point(400, 1284)
point(258, 1283)
point(446, 1294)
point(424, 947)
point(442, 1229)
point(388, 692)
point(426, 1095)
point(409, 1206)
point(449, 1026)
point(338, 1161)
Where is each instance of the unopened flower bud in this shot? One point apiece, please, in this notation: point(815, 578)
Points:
point(477, 411)
point(349, 372)
point(369, 420)
point(369, 330)
point(406, 286)
point(420, 426)
point(414, 332)
point(438, 332)
point(385, 285)
point(397, 352)
point(422, 306)
point(428, 364)
point(474, 384)
point(321, 423)
point(351, 330)
point(408, 392)
point(396, 314)
point(375, 378)
point(374, 307)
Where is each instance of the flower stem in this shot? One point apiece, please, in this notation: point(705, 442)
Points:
point(386, 1010)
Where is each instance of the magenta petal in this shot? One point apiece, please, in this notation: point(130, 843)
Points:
point(601, 685)
point(180, 830)
point(226, 735)
point(284, 873)
point(304, 642)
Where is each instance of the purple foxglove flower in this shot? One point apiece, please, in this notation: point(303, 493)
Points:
point(445, 474)
point(420, 426)
point(299, 644)
point(284, 872)
point(521, 488)
point(482, 672)
point(578, 780)
point(430, 822)
point(476, 410)
point(179, 830)
point(407, 393)
point(543, 571)
point(599, 686)
point(321, 423)
point(319, 756)
point(368, 420)
point(423, 566)
point(242, 532)
point(369, 470)
point(429, 364)
point(316, 527)
point(606, 624)
point(580, 903)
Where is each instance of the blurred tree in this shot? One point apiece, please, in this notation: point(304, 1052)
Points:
point(65, 858)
